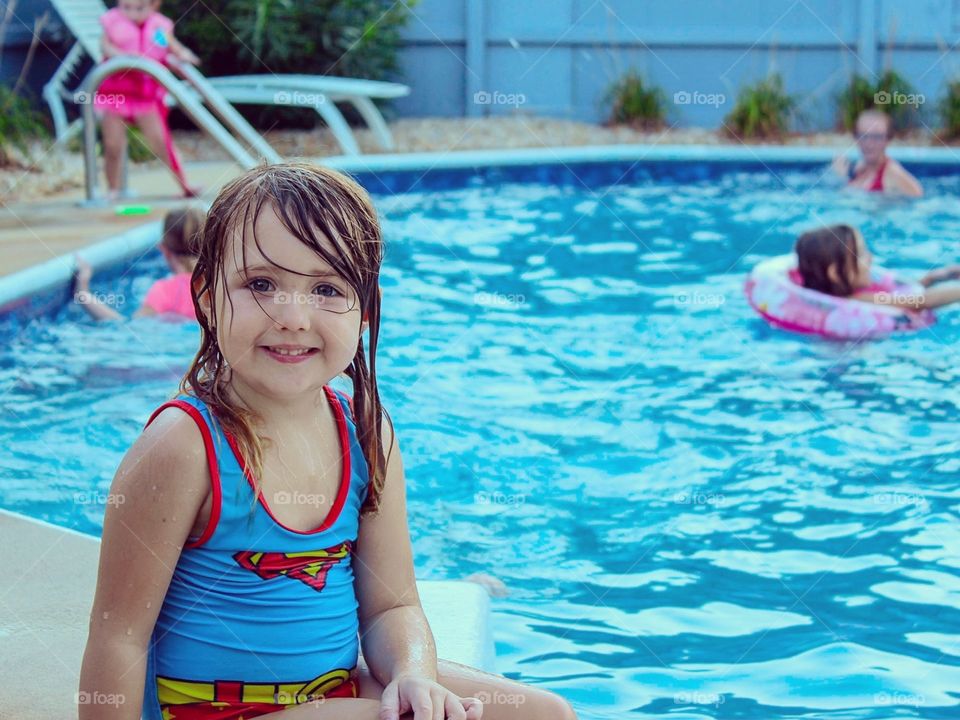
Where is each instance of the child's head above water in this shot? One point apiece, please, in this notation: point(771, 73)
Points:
point(834, 260)
point(287, 278)
point(181, 237)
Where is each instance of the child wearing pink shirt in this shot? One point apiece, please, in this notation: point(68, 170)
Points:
point(170, 296)
point(135, 27)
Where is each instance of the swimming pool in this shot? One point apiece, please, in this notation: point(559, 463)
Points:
point(696, 513)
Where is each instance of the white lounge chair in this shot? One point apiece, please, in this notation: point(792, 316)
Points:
point(320, 92)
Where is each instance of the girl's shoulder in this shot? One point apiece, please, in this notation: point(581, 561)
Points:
point(162, 21)
point(171, 455)
point(112, 17)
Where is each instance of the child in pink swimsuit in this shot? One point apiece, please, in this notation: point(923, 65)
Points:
point(835, 260)
point(135, 27)
point(170, 296)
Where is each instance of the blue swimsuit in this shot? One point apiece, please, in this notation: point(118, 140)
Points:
point(258, 616)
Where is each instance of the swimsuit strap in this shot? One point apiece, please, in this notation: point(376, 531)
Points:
point(877, 184)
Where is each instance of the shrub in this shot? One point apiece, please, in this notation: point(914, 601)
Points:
point(890, 94)
point(950, 111)
point(636, 104)
point(20, 122)
point(855, 98)
point(351, 38)
point(762, 110)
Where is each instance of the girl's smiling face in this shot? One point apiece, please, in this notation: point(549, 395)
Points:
point(286, 323)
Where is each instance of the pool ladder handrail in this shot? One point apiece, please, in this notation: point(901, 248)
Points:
point(190, 98)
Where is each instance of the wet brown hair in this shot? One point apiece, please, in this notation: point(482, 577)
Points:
point(818, 249)
point(314, 204)
point(181, 231)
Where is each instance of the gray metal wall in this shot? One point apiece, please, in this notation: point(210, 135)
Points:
point(558, 57)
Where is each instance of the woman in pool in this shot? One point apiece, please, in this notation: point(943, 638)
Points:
point(876, 172)
point(170, 296)
point(231, 599)
point(835, 260)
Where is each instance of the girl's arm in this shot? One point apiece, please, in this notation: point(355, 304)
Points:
point(398, 645)
point(182, 52)
point(924, 300)
point(950, 272)
point(108, 49)
point(153, 503)
point(83, 297)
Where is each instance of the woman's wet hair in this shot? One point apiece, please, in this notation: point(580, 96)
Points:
point(333, 216)
point(818, 249)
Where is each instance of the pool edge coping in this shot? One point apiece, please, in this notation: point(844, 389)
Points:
point(18, 286)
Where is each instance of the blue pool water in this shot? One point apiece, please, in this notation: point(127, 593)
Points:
point(696, 514)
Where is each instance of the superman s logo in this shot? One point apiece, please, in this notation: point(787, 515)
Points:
point(309, 567)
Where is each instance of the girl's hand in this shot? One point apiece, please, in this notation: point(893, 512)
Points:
point(951, 272)
point(189, 56)
point(841, 166)
point(427, 700)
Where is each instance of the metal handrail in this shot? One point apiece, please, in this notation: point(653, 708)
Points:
point(187, 101)
point(225, 111)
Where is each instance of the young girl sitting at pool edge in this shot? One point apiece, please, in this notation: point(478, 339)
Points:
point(169, 296)
point(835, 260)
point(135, 27)
point(263, 521)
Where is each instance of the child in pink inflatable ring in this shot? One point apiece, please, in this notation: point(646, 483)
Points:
point(835, 260)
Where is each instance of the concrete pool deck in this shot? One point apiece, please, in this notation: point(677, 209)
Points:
point(48, 590)
point(36, 231)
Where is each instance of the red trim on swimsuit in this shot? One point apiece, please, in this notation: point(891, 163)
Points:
point(211, 463)
point(342, 492)
point(877, 184)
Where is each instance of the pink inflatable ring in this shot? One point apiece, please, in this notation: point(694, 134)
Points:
point(775, 290)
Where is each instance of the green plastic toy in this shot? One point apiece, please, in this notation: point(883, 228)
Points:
point(133, 210)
